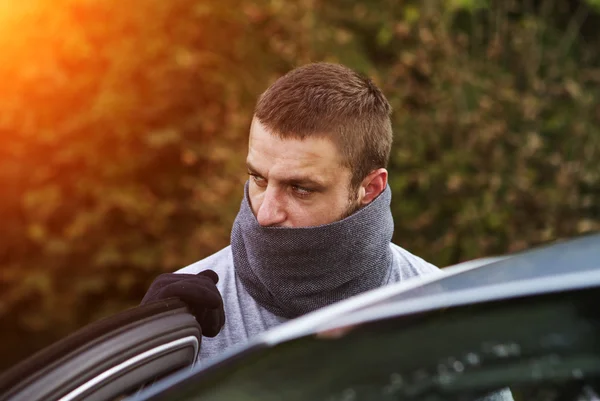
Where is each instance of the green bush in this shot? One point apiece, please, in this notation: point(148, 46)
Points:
point(124, 133)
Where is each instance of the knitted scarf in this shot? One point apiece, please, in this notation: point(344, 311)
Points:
point(293, 271)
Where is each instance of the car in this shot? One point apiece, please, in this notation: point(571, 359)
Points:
point(525, 324)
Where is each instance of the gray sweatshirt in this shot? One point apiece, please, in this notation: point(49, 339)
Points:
point(245, 318)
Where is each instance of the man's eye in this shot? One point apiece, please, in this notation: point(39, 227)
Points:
point(300, 191)
point(260, 181)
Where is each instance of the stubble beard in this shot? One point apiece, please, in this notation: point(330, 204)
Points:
point(353, 205)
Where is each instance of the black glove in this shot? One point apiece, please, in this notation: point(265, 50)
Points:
point(198, 292)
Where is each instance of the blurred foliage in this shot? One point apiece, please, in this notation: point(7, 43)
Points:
point(122, 152)
point(124, 129)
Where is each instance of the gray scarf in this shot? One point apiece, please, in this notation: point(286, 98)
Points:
point(293, 271)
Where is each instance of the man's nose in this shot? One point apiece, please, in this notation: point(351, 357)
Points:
point(271, 211)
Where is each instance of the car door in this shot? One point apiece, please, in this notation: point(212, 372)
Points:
point(532, 347)
point(109, 359)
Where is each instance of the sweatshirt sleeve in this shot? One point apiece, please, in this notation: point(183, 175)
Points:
point(411, 265)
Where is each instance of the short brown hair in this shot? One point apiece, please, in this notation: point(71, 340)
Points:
point(331, 100)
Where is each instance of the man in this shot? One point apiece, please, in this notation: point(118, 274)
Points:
point(315, 225)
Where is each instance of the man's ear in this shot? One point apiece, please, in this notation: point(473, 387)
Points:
point(373, 185)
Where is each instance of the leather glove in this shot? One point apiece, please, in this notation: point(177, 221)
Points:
point(198, 292)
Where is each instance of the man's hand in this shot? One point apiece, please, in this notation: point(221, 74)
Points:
point(198, 292)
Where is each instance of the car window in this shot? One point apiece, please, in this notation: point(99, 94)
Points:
point(541, 348)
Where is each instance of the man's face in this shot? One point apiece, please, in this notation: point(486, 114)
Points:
point(296, 183)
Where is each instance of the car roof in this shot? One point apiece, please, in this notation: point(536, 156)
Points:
point(575, 256)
